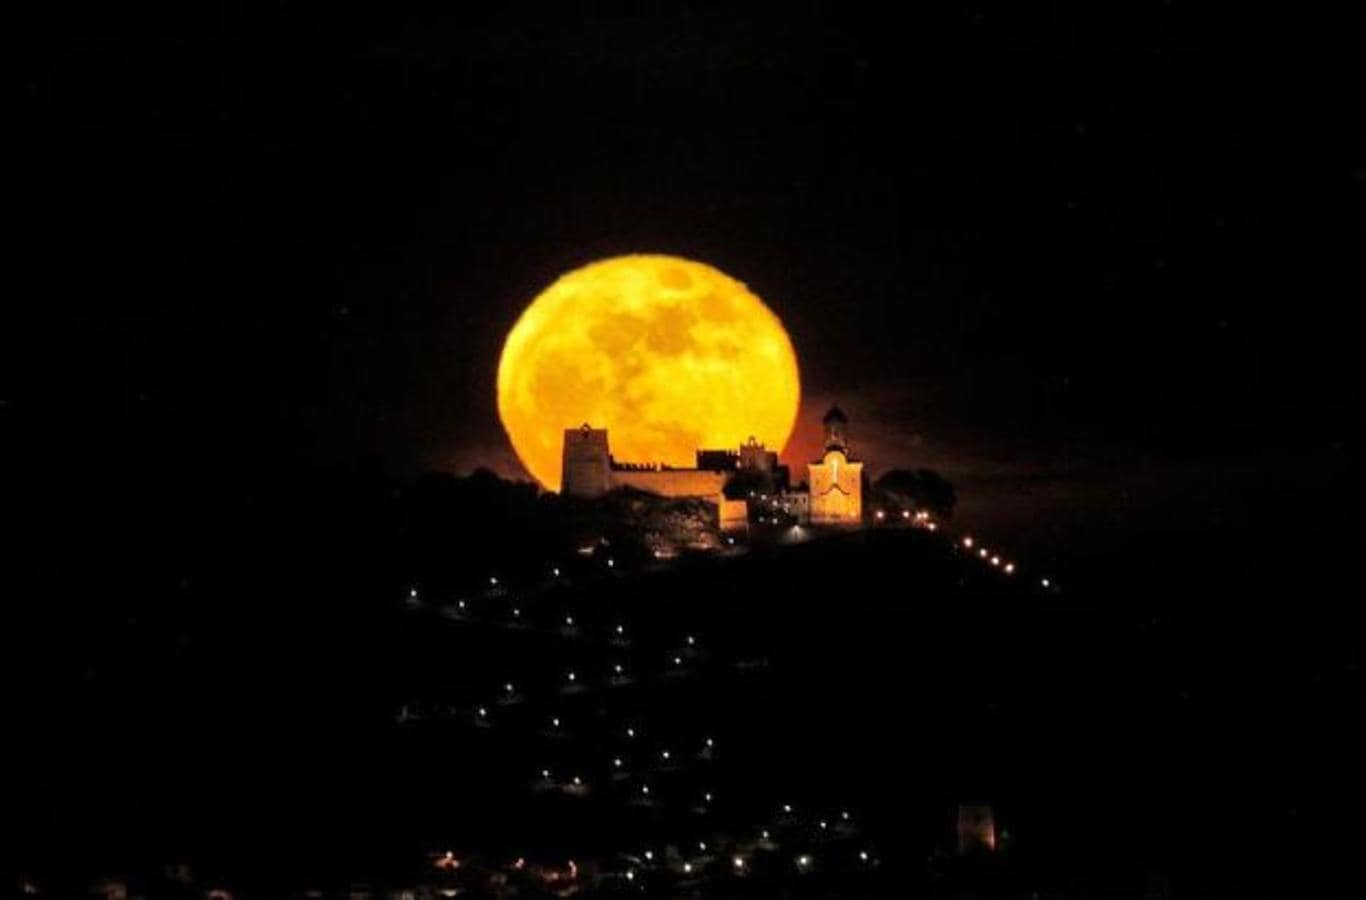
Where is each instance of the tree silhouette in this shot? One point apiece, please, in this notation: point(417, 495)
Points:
point(920, 489)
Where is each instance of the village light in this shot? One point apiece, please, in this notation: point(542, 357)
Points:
point(711, 743)
point(645, 789)
point(578, 781)
point(687, 868)
point(692, 641)
point(845, 815)
point(616, 762)
point(555, 722)
point(1044, 582)
point(880, 515)
point(610, 563)
point(617, 668)
point(967, 541)
point(996, 560)
point(483, 712)
point(412, 592)
point(863, 855)
point(823, 825)
point(630, 874)
point(701, 845)
point(738, 862)
point(706, 798)
point(804, 861)
point(649, 855)
point(545, 773)
point(569, 621)
point(678, 660)
point(630, 732)
point(460, 604)
point(787, 808)
point(933, 526)
point(763, 835)
point(905, 514)
point(1010, 568)
point(555, 572)
point(493, 581)
point(571, 676)
point(508, 687)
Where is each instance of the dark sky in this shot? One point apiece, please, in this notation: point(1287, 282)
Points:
point(1067, 253)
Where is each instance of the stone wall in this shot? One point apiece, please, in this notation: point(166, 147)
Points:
point(586, 467)
point(672, 482)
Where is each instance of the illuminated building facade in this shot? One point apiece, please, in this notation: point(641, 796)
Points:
point(835, 481)
point(589, 470)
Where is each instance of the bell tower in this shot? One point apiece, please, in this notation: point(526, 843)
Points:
point(835, 480)
point(836, 429)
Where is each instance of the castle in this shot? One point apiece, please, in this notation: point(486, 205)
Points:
point(835, 481)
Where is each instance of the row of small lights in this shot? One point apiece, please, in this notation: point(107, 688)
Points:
point(803, 862)
point(646, 858)
point(968, 543)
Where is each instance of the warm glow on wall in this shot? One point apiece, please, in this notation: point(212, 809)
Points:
point(668, 354)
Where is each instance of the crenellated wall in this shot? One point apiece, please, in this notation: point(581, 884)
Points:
point(671, 482)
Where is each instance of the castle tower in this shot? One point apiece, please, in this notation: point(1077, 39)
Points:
point(586, 465)
point(836, 481)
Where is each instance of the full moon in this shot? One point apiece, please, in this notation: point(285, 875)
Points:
point(668, 354)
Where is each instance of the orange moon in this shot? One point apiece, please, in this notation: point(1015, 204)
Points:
point(668, 354)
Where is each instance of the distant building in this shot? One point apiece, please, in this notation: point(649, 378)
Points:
point(588, 470)
point(835, 481)
point(976, 828)
point(585, 463)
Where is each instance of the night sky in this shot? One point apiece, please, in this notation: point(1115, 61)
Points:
point(1080, 259)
